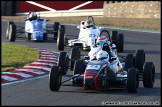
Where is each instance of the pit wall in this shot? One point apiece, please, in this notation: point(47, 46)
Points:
point(132, 9)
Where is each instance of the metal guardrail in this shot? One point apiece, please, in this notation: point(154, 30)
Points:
point(87, 12)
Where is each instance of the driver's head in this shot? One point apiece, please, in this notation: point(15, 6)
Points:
point(102, 40)
point(102, 55)
point(89, 24)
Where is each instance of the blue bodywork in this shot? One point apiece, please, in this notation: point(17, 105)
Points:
point(37, 29)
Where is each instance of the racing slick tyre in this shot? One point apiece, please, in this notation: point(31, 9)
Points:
point(44, 36)
point(129, 61)
point(55, 79)
point(139, 59)
point(12, 33)
point(56, 28)
point(62, 27)
point(75, 55)
point(114, 35)
point(60, 40)
point(148, 74)
point(78, 67)
point(120, 42)
point(63, 62)
point(8, 28)
point(29, 36)
point(132, 80)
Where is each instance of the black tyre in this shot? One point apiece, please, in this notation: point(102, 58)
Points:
point(75, 55)
point(12, 33)
point(148, 74)
point(60, 40)
point(129, 61)
point(44, 36)
point(63, 62)
point(62, 27)
point(29, 36)
point(78, 67)
point(132, 80)
point(139, 59)
point(56, 28)
point(120, 42)
point(114, 35)
point(55, 79)
point(8, 28)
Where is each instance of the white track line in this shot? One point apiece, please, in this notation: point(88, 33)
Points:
point(42, 6)
point(29, 79)
point(21, 74)
point(83, 4)
point(32, 71)
point(8, 78)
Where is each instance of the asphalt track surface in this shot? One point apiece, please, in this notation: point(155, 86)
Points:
point(37, 92)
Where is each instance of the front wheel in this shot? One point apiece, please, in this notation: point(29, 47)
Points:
point(55, 79)
point(148, 74)
point(60, 40)
point(75, 55)
point(63, 62)
point(132, 80)
point(12, 33)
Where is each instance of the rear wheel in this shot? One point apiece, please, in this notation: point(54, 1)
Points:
point(12, 33)
point(55, 79)
point(44, 36)
point(75, 55)
point(56, 28)
point(114, 35)
point(120, 42)
point(132, 80)
point(63, 62)
point(148, 74)
point(129, 61)
point(60, 40)
point(139, 59)
point(29, 36)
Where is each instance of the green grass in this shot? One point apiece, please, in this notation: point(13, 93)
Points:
point(16, 56)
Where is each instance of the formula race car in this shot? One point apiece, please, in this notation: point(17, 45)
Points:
point(98, 75)
point(35, 29)
point(87, 36)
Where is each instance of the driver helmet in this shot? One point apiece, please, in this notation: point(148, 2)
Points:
point(102, 55)
point(88, 24)
point(33, 15)
point(101, 40)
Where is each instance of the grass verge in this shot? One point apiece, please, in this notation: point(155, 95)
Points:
point(16, 56)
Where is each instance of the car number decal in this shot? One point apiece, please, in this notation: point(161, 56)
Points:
point(95, 67)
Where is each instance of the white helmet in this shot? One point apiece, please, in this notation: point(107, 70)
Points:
point(93, 53)
point(102, 55)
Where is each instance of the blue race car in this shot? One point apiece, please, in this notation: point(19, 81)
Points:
point(35, 29)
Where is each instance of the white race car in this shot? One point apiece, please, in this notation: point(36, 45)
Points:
point(87, 36)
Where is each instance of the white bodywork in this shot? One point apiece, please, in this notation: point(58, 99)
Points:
point(87, 37)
